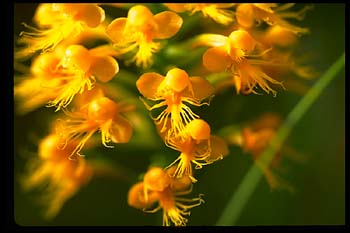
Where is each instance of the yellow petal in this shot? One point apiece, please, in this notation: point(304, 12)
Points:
point(104, 68)
point(169, 24)
point(82, 100)
point(277, 35)
point(241, 39)
point(237, 80)
point(267, 120)
point(216, 60)
point(44, 65)
point(103, 50)
point(121, 130)
point(115, 29)
point(224, 5)
point(45, 15)
point(201, 87)
point(266, 6)
point(198, 129)
point(245, 15)
point(209, 39)
point(219, 148)
point(102, 110)
point(177, 79)
point(77, 56)
point(177, 7)
point(148, 84)
point(91, 14)
point(156, 179)
point(136, 197)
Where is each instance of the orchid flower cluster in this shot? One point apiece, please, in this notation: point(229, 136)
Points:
point(78, 51)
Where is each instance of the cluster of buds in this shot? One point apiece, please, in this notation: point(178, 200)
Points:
point(77, 79)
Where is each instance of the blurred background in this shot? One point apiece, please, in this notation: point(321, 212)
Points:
point(319, 136)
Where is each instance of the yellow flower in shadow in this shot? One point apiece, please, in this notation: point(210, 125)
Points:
point(159, 186)
point(60, 177)
point(255, 137)
point(40, 84)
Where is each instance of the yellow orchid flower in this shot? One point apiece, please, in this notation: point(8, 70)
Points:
point(139, 30)
point(164, 189)
point(174, 90)
point(57, 22)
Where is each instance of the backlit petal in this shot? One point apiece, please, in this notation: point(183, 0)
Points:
point(104, 68)
point(245, 15)
point(219, 148)
point(201, 87)
point(91, 14)
point(169, 24)
point(148, 84)
point(177, 7)
point(224, 5)
point(136, 197)
point(115, 29)
point(216, 60)
point(121, 130)
point(45, 15)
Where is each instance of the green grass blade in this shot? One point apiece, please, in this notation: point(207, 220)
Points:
point(236, 204)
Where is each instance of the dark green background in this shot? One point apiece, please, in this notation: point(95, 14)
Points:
point(320, 182)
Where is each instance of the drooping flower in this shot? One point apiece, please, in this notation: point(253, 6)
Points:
point(173, 92)
point(255, 137)
point(162, 188)
point(61, 177)
point(197, 146)
point(39, 85)
point(282, 62)
point(140, 29)
point(271, 13)
point(217, 12)
point(293, 69)
point(99, 113)
point(237, 54)
point(278, 36)
point(57, 22)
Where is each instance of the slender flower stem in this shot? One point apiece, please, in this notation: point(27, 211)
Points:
point(233, 210)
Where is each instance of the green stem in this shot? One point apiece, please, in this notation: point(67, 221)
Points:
point(233, 210)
